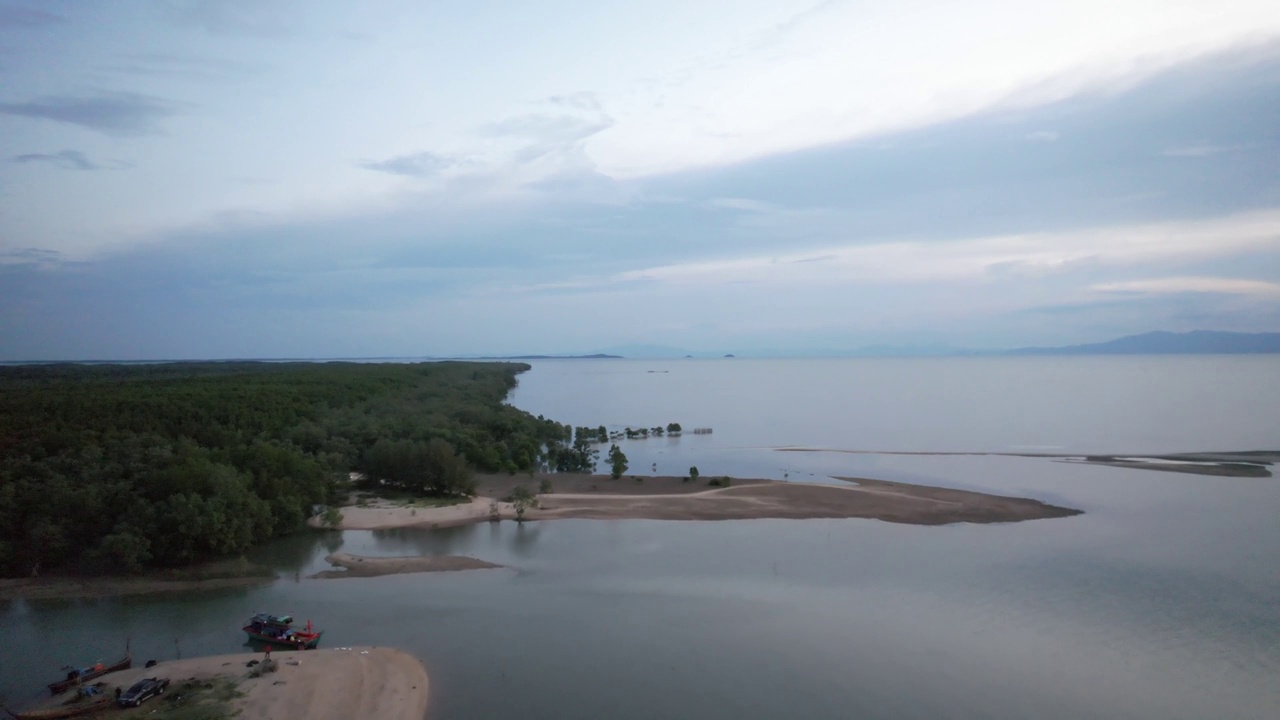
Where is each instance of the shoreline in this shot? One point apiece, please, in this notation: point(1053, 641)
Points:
point(590, 497)
point(323, 684)
point(58, 587)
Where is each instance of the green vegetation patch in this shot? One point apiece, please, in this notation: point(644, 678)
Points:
point(119, 468)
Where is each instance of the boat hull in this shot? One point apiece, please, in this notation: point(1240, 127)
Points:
point(67, 711)
point(308, 642)
point(64, 685)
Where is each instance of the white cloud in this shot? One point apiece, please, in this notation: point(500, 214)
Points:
point(979, 259)
point(863, 69)
point(1043, 136)
point(1172, 285)
point(1199, 151)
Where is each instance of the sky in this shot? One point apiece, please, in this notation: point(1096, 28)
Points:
point(304, 178)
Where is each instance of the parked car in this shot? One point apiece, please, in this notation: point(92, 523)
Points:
point(142, 690)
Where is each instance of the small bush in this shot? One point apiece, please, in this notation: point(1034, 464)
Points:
point(544, 487)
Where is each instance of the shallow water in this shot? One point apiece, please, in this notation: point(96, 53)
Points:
point(1159, 602)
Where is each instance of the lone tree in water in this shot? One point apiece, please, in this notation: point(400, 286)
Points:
point(617, 461)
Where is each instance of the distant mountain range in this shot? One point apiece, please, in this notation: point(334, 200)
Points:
point(1199, 342)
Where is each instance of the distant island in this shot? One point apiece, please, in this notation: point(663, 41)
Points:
point(1199, 342)
point(593, 356)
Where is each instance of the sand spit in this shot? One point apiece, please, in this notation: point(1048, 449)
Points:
point(875, 499)
point(357, 566)
point(1250, 463)
point(332, 684)
point(672, 499)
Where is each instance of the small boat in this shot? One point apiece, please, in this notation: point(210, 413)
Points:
point(76, 676)
point(89, 699)
point(279, 630)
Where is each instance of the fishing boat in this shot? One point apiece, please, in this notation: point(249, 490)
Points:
point(279, 630)
point(88, 699)
point(76, 676)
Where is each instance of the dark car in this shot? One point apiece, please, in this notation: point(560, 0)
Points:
point(142, 690)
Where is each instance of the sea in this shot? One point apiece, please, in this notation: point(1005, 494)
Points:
point(1161, 601)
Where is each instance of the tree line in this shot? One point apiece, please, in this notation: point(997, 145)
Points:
point(126, 467)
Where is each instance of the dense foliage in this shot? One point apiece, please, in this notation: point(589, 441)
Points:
point(113, 467)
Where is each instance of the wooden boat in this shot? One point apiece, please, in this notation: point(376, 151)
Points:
point(279, 630)
point(76, 676)
point(80, 704)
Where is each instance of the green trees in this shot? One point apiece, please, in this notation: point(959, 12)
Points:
point(693, 473)
point(581, 457)
point(123, 468)
point(522, 499)
point(430, 467)
point(617, 462)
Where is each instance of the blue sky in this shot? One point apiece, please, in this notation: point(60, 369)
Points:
point(207, 179)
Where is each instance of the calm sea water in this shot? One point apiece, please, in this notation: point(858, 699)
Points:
point(1162, 601)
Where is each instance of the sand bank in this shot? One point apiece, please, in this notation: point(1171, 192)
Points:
point(357, 566)
point(1248, 463)
point(672, 499)
point(875, 499)
point(380, 514)
point(320, 684)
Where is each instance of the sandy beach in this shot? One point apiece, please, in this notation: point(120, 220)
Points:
point(326, 684)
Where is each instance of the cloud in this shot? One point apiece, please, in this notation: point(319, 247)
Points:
point(546, 134)
point(562, 128)
point(1176, 285)
point(119, 114)
point(14, 17)
point(261, 18)
point(423, 164)
point(38, 257)
point(979, 259)
point(1043, 136)
point(1199, 151)
point(65, 159)
point(743, 204)
point(584, 100)
point(186, 67)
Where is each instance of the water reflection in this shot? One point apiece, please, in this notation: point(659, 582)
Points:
point(525, 538)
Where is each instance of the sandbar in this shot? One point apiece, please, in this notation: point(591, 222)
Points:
point(872, 499)
point(357, 566)
point(672, 498)
point(325, 684)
